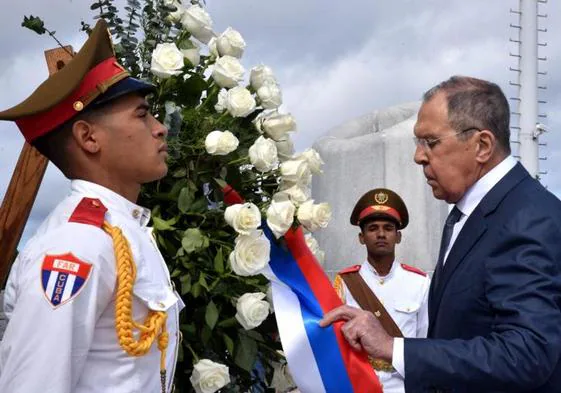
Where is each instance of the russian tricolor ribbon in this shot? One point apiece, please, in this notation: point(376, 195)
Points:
point(320, 359)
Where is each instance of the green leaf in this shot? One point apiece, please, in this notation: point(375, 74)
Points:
point(226, 323)
point(196, 290)
point(163, 225)
point(202, 281)
point(246, 352)
point(184, 200)
point(211, 315)
point(206, 335)
point(219, 261)
point(229, 343)
point(193, 239)
point(34, 23)
point(185, 284)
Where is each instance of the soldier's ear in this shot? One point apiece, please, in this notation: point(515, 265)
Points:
point(361, 237)
point(398, 238)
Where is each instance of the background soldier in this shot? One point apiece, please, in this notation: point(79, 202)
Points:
point(396, 293)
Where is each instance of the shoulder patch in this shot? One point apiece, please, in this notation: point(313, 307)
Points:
point(62, 277)
point(89, 211)
point(350, 269)
point(413, 269)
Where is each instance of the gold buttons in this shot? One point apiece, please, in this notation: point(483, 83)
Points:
point(161, 304)
point(78, 106)
point(136, 213)
point(382, 281)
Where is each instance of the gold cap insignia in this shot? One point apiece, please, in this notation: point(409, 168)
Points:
point(381, 198)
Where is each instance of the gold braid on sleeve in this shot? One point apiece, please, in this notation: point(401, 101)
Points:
point(153, 327)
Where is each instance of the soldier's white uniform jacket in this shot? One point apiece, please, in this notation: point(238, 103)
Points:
point(60, 301)
point(404, 294)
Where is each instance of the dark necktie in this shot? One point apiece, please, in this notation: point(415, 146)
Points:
point(453, 217)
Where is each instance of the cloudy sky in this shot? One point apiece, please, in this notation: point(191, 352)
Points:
point(335, 60)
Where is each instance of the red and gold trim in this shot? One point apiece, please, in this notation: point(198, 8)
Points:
point(96, 82)
point(380, 209)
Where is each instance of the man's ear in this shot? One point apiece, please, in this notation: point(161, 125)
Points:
point(486, 145)
point(398, 237)
point(86, 136)
point(361, 237)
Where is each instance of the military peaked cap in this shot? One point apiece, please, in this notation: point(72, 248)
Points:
point(382, 203)
point(92, 77)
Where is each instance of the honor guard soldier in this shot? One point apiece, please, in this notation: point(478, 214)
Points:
point(90, 302)
point(395, 293)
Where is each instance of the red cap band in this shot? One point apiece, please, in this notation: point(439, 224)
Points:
point(96, 82)
point(380, 209)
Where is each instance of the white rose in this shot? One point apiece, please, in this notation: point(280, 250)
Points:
point(276, 125)
point(297, 193)
point(251, 254)
point(221, 103)
point(314, 216)
point(312, 157)
point(259, 75)
point(313, 245)
point(220, 143)
point(280, 216)
point(270, 95)
point(296, 171)
point(252, 310)
point(240, 102)
point(227, 71)
point(198, 22)
point(167, 60)
point(263, 154)
point(209, 376)
point(285, 148)
point(230, 43)
point(244, 218)
point(192, 53)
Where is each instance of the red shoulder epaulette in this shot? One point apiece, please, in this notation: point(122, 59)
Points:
point(89, 211)
point(413, 269)
point(350, 269)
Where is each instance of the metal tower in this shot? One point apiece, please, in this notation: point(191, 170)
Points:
point(529, 83)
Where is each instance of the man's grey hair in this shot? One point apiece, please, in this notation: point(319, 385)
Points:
point(475, 103)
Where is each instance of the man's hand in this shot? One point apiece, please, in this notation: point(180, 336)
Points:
point(362, 330)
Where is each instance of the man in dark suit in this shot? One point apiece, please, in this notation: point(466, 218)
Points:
point(495, 299)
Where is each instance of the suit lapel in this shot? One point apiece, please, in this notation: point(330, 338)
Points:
point(471, 233)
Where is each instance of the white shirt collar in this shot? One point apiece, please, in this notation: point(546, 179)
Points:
point(371, 268)
point(475, 194)
point(114, 202)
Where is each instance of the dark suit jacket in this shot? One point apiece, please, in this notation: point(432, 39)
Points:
point(495, 317)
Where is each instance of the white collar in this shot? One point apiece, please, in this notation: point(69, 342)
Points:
point(475, 193)
point(114, 202)
point(371, 268)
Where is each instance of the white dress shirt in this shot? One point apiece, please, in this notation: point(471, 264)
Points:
point(72, 347)
point(466, 205)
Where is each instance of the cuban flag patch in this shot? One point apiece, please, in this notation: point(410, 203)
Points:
point(62, 277)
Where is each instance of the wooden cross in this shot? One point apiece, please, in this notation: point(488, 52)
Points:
point(25, 182)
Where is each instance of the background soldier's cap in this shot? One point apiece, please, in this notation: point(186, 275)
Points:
point(92, 77)
point(382, 203)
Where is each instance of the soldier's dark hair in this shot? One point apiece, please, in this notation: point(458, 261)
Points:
point(54, 145)
point(475, 103)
